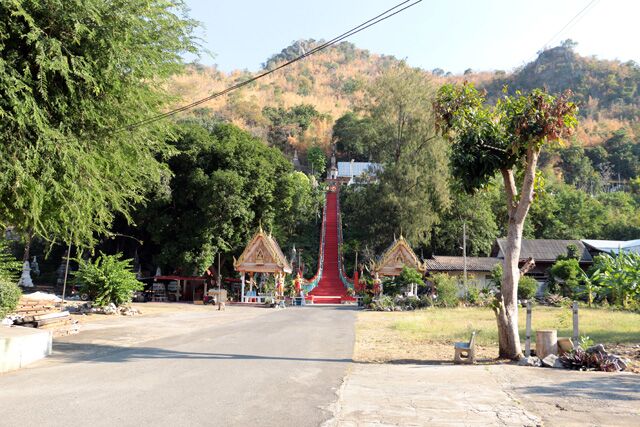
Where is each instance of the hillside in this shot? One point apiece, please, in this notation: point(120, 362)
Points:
point(332, 82)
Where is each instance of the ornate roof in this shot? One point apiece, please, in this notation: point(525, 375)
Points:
point(262, 255)
point(397, 256)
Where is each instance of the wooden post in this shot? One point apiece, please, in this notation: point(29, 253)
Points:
point(546, 343)
point(575, 323)
point(527, 344)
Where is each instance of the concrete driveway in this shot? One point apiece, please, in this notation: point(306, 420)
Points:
point(260, 367)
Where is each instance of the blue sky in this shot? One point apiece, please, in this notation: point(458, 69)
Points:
point(453, 35)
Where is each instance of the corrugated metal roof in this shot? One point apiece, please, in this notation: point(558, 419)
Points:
point(349, 169)
point(456, 263)
point(613, 246)
point(545, 249)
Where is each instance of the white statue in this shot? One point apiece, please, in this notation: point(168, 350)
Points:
point(25, 279)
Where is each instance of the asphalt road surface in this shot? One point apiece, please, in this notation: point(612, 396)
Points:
point(279, 369)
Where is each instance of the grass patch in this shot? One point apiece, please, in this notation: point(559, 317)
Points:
point(385, 336)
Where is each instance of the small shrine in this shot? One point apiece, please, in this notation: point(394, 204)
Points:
point(396, 257)
point(262, 255)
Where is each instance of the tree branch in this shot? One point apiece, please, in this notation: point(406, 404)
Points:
point(510, 190)
point(526, 198)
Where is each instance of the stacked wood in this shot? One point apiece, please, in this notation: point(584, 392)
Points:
point(43, 314)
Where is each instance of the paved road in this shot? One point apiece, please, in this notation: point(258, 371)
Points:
point(280, 369)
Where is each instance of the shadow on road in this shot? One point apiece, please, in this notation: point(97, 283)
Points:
point(614, 387)
point(74, 352)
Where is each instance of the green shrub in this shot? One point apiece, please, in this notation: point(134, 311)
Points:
point(472, 295)
point(447, 290)
point(9, 290)
point(366, 300)
point(527, 287)
point(9, 296)
point(565, 274)
point(9, 266)
point(108, 279)
point(384, 303)
point(412, 302)
point(426, 301)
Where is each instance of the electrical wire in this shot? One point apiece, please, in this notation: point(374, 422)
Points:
point(369, 23)
point(571, 22)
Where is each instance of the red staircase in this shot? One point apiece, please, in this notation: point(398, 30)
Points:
point(330, 289)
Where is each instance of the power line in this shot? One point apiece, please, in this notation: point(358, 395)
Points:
point(578, 16)
point(373, 21)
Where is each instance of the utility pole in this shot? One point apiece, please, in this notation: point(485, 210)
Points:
point(66, 272)
point(355, 266)
point(464, 251)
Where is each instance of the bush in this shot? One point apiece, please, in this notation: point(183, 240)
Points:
point(9, 296)
point(9, 291)
point(411, 302)
point(472, 295)
point(366, 300)
point(9, 266)
point(447, 290)
point(386, 302)
point(565, 274)
point(107, 280)
point(527, 287)
point(426, 301)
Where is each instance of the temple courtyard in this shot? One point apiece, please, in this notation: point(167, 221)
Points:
point(193, 365)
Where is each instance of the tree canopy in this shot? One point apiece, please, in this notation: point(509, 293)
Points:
point(225, 184)
point(412, 188)
point(73, 74)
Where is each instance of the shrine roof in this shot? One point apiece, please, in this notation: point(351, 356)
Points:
point(262, 254)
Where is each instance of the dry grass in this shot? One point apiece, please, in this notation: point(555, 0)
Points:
point(428, 335)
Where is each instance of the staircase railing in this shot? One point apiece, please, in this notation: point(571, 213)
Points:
point(348, 283)
point(313, 282)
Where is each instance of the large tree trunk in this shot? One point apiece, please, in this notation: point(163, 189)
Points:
point(507, 309)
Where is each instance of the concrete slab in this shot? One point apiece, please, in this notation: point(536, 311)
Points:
point(417, 395)
point(484, 395)
point(21, 346)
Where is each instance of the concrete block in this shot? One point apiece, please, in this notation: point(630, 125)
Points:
point(21, 346)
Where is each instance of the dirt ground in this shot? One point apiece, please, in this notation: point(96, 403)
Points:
point(378, 340)
point(148, 309)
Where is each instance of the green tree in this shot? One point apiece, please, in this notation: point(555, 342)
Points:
point(564, 212)
point(411, 190)
point(354, 136)
point(578, 169)
point(225, 183)
point(74, 73)
point(623, 154)
point(473, 210)
point(317, 160)
point(506, 138)
point(286, 124)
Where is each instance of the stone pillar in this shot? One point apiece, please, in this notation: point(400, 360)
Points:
point(242, 288)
